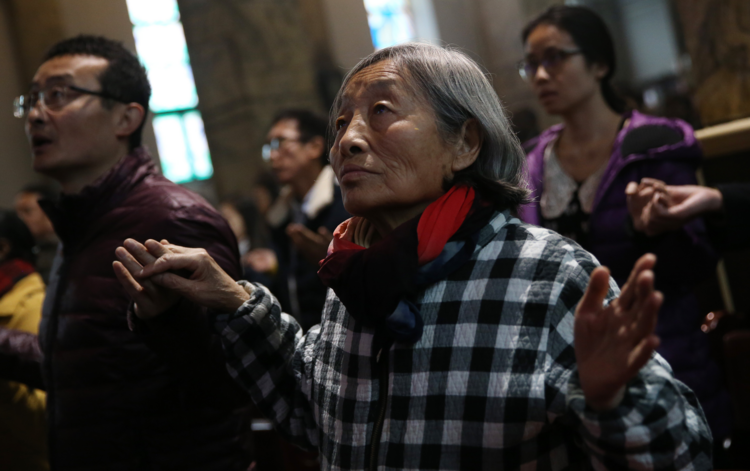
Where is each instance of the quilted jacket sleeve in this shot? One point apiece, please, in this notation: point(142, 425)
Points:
point(270, 358)
point(658, 425)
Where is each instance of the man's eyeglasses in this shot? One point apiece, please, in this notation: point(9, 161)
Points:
point(551, 61)
point(53, 98)
point(275, 144)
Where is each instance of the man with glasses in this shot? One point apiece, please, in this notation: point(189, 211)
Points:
point(119, 396)
point(305, 214)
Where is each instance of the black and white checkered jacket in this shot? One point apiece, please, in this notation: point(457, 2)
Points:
point(492, 383)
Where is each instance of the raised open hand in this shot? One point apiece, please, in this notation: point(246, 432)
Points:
point(200, 278)
point(613, 343)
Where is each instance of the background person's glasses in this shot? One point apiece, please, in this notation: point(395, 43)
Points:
point(551, 60)
point(275, 144)
point(53, 98)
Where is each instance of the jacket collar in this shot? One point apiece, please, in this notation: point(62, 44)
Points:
point(73, 213)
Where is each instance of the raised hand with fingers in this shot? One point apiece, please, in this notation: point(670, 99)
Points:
point(613, 343)
point(177, 271)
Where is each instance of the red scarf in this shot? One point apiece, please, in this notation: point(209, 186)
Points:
point(13, 271)
point(437, 224)
point(372, 282)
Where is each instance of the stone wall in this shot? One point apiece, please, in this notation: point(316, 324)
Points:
point(717, 37)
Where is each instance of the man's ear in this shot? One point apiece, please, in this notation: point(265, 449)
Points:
point(469, 145)
point(128, 119)
point(316, 147)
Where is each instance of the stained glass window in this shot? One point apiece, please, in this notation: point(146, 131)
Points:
point(180, 137)
point(398, 21)
point(390, 22)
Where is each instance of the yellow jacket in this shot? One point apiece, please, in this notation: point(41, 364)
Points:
point(23, 426)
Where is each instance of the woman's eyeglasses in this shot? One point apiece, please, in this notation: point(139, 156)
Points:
point(53, 98)
point(551, 61)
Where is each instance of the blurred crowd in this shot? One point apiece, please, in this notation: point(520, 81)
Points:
point(92, 380)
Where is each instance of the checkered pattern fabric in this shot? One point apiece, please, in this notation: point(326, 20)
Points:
point(492, 383)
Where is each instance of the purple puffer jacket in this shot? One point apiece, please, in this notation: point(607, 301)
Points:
point(685, 257)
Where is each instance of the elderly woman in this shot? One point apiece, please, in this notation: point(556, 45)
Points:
point(447, 338)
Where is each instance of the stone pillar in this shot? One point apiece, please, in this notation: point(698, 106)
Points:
point(717, 37)
point(15, 156)
point(249, 59)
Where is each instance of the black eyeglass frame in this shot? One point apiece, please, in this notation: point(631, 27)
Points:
point(22, 109)
point(525, 67)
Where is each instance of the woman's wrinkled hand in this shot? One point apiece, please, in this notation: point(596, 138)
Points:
point(157, 274)
point(613, 343)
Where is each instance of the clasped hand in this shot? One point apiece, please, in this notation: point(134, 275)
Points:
point(656, 207)
point(612, 343)
point(151, 275)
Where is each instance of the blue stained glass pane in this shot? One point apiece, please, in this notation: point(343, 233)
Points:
point(145, 12)
point(173, 150)
point(390, 22)
point(196, 138)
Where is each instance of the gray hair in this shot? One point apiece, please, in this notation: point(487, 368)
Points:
point(458, 91)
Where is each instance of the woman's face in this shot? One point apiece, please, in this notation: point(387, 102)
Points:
point(388, 155)
point(568, 81)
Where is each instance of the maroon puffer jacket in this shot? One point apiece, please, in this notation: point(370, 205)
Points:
point(118, 399)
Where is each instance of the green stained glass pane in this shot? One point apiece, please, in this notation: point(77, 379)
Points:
point(173, 150)
point(161, 45)
point(172, 89)
point(163, 51)
point(147, 12)
point(196, 139)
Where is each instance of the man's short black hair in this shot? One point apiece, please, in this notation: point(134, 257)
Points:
point(19, 237)
point(125, 78)
point(309, 125)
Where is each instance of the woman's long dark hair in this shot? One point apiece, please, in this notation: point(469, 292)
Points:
point(592, 37)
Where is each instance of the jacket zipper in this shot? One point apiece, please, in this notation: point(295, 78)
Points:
point(382, 362)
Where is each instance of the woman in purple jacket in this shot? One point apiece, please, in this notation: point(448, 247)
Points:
point(578, 171)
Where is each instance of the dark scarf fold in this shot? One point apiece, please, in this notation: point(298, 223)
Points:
point(13, 271)
point(375, 283)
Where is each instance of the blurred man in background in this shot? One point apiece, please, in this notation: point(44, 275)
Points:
point(28, 209)
point(303, 217)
